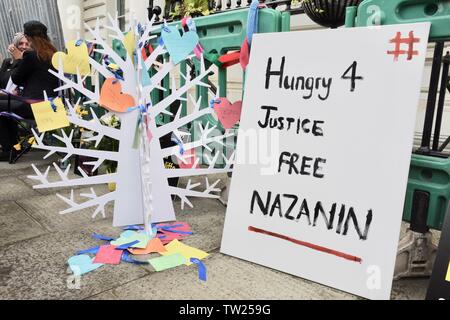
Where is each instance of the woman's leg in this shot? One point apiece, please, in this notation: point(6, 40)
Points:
point(8, 127)
point(21, 109)
point(8, 134)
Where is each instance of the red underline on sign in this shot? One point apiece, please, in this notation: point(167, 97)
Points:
point(307, 244)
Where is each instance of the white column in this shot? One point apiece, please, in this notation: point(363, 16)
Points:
point(71, 13)
point(138, 9)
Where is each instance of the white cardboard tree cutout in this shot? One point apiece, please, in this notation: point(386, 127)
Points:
point(143, 193)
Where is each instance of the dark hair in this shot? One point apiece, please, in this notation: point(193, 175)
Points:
point(44, 48)
point(37, 32)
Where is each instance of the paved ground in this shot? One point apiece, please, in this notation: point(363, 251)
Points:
point(35, 243)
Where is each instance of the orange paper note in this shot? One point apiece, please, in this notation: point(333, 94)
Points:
point(112, 98)
point(154, 246)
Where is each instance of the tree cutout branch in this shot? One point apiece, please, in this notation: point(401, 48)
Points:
point(96, 201)
point(66, 181)
point(204, 141)
point(181, 173)
point(69, 150)
point(178, 94)
point(179, 121)
point(94, 125)
point(188, 192)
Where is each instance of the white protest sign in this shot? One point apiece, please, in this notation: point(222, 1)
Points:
point(335, 111)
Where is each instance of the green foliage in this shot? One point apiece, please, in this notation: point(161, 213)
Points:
point(191, 8)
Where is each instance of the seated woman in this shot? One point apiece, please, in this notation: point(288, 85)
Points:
point(31, 73)
point(16, 49)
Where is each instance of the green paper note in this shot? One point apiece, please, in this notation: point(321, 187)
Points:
point(168, 262)
point(142, 238)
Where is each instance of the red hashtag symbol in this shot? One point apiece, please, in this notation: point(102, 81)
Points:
point(398, 40)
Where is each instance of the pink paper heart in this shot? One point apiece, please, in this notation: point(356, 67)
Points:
point(190, 160)
point(229, 114)
point(245, 54)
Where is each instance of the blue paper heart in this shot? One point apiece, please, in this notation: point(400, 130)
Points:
point(82, 264)
point(179, 47)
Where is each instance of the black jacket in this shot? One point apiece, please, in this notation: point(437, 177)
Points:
point(5, 72)
point(32, 74)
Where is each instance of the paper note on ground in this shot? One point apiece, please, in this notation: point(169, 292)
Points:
point(188, 252)
point(108, 255)
point(82, 264)
point(168, 262)
point(141, 237)
point(47, 119)
point(154, 246)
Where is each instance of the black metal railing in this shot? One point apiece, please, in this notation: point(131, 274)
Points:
point(220, 6)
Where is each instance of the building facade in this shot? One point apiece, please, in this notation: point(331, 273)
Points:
point(14, 13)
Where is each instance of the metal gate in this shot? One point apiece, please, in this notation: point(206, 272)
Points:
point(14, 13)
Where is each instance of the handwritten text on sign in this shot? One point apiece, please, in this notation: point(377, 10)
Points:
point(331, 210)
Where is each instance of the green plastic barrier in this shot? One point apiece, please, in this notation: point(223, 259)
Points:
point(432, 177)
point(429, 176)
point(382, 12)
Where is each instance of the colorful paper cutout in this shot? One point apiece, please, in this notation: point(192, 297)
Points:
point(229, 114)
point(179, 47)
point(126, 257)
point(128, 245)
point(46, 117)
point(102, 237)
point(112, 98)
point(93, 250)
point(154, 246)
point(76, 60)
point(108, 255)
point(201, 269)
point(82, 264)
point(130, 44)
point(190, 160)
point(129, 233)
point(188, 252)
point(141, 237)
point(167, 262)
point(178, 231)
point(181, 228)
point(245, 55)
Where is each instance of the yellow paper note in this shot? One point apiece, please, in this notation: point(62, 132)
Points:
point(77, 58)
point(130, 44)
point(47, 119)
point(447, 278)
point(188, 252)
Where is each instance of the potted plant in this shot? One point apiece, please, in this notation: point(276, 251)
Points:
point(328, 13)
point(188, 8)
